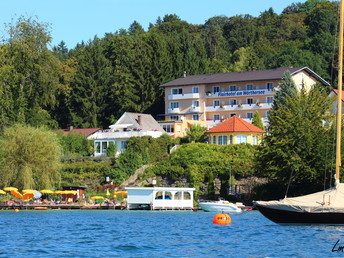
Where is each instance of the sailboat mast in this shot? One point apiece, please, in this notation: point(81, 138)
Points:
point(340, 81)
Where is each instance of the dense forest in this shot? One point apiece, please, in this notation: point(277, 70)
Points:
point(92, 84)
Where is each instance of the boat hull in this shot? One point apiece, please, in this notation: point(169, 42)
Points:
point(213, 207)
point(290, 217)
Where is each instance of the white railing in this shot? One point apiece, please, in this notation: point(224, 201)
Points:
point(194, 109)
point(173, 110)
point(126, 134)
point(183, 96)
point(238, 107)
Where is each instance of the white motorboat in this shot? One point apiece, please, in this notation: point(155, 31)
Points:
point(219, 206)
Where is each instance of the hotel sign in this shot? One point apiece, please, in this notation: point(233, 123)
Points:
point(242, 93)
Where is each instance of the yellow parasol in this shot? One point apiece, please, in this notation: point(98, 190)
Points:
point(58, 192)
point(8, 189)
point(97, 197)
point(120, 192)
point(46, 191)
point(70, 192)
point(29, 191)
point(2, 192)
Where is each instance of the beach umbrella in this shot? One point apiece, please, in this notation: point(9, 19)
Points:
point(8, 189)
point(29, 191)
point(107, 192)
point(58, 192)
point(27, 196)
point(120, 192)
point(97, 197)
point(46, 191)
point(17, 194)
point(2, 192)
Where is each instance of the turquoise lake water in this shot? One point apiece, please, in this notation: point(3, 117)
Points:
point(77, 233)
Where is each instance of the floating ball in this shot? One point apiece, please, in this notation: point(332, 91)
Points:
point(222, 219)
point(16, 210)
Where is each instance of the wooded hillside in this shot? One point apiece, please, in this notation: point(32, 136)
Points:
point(92, 84)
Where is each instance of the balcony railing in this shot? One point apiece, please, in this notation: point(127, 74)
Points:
point(173, 110)
point(183, 96)
point(239, 107)
point(194, 109)
point(239, 93)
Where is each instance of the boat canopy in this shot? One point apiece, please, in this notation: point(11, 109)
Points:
point(330, 200)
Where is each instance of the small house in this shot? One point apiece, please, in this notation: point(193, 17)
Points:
point(128, 125)
point(235, 130)
point(157, 198)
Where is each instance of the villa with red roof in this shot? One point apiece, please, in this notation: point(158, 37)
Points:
point(235, 130)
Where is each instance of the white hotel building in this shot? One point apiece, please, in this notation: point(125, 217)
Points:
point(210, 98)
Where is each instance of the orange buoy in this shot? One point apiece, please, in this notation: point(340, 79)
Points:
point(222, 219)
point(16, 210)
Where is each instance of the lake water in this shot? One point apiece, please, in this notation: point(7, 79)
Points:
point(107, 233)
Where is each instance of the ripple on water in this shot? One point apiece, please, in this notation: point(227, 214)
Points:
point(157, 234)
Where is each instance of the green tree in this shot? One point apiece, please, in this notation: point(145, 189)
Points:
point(31, 158)
point(196, 133)
point(257, 120)
point(296, 140)
point(29, 72)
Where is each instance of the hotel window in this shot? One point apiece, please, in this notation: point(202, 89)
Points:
point(195, 90)
point(216, 103)
point(174, 105)
point(249, 87)
point(195, 103)
point(269, 100)
point(232, 88)
point(216, 89)
point(177, 91)
point(233, 102)
point(231, 139)
point(249, 115)
point(216, 117)
point(222, 139)
point(195, 117)
point(269, 85)
point(250, 101)
point(254, 139)
point(241, 139)
point(174, 118)
point(214, 139)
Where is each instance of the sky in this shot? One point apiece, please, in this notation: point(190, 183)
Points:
point(75, 20)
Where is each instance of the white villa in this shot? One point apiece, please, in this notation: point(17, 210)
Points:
point(157, 198)
point(128, 125)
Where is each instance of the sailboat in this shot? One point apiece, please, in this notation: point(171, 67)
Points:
point(325, 207)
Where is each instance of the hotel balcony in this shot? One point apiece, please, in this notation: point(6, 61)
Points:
point(194, 109)
point(239, 93)
point(183, 96)
point(238, 107)
point(173, 110)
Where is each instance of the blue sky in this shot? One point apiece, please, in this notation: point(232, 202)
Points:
point(75, 20)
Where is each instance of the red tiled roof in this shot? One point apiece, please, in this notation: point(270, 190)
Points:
point(336, 91)
point(234, 124)
point(85, 131)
